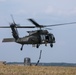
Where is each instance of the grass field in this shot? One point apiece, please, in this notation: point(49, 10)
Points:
point(36, 70)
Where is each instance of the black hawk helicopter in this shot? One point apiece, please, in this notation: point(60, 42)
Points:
point(36, 37)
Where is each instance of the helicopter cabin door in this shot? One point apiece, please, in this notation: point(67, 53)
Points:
point(42, 38)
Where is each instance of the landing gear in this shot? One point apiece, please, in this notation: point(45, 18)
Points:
point(37, 46)
point(51, 44)
point(21, 47)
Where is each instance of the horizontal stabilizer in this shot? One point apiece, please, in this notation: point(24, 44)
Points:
point(8, 40)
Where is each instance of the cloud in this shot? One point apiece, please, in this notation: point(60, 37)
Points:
point(60, 11)
point(2, 0)
point(34, 8)
point(50, 10)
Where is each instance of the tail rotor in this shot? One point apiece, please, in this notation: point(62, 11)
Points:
point(13, 27)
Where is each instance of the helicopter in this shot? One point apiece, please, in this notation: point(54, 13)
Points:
point(35, 37)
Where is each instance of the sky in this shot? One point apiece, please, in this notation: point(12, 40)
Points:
point(45, 12)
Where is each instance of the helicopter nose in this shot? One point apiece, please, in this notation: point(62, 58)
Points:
point(54, 40)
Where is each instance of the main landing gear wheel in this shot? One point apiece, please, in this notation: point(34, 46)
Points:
point(51, 45)
point(37, 46)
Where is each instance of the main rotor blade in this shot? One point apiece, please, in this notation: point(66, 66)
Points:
point(35, 23)
point(18, 27)
point(48, 28)
point(4, 26)
point(26, 27)
point(39, 26)
point(60, 24)
point(13, 19)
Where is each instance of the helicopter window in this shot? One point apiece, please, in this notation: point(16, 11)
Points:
point(47, 37)
point(42, 37)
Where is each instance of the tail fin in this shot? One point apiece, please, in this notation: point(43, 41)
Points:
point(14, 31)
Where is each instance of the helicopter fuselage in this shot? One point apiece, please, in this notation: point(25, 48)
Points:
point(37, 38)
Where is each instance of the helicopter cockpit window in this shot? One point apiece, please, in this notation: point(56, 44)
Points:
point(47, 38)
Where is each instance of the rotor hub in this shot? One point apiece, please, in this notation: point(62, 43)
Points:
point(13, 25)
